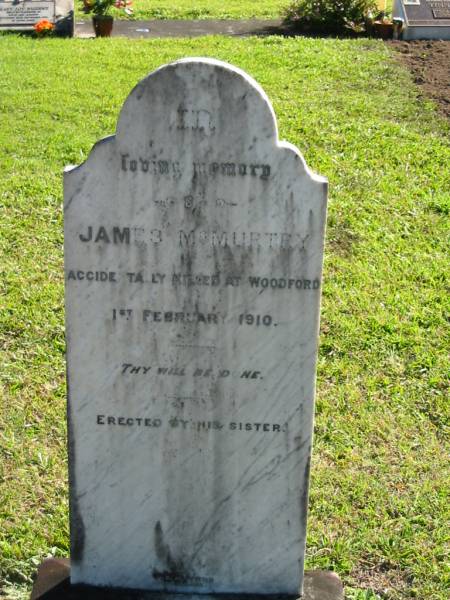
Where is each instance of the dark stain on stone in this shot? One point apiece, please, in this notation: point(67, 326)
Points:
point(305, 494)
point(174, 571)
point(77, 532)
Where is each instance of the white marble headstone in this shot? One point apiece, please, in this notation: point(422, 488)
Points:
point(193, 259)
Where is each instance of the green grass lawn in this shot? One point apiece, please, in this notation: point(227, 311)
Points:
point(203, 9)
point(378, 509)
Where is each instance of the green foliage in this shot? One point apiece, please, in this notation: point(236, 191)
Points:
point(351, 594)
point(329, 16)
point(379, 501)
point(97, 7)
point(103, 7)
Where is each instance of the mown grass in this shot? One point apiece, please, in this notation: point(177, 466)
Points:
point(379, 502)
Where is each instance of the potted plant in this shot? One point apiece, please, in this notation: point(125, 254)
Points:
point(383, 26)
point(101, 19)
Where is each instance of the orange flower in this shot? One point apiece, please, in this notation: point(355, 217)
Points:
point(43, 26)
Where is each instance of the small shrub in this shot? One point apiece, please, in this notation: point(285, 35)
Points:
point(330, 16)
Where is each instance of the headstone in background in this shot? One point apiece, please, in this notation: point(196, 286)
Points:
point(193, 260)
point(22, 15)
point(423, 19)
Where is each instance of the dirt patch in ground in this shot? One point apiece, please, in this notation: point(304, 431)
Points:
point(385, 581)
point(429, 63)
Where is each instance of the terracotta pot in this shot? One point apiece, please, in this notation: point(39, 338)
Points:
point(383, 30)
point(103, 25)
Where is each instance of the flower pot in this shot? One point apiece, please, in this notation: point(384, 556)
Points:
point(103, 25)
point(383, 30)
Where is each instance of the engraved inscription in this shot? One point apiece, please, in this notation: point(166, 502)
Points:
point(284, 284)
point(118, 235)
point(132, 369)
point(231, 169)
point(195, 120)
point(189, 238)
point(182, 371)
point(159, 316)
point(440, 8)
point(174, 169)
point(195, 279)
point(99, 276)
point(190, 424)
point(246, 239)
point(441, 13)
point(148, 165)
point(177, 577)
point(14, 14)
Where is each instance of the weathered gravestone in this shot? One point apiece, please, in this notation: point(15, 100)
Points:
point(193, 260)
point(24, 14)
point(423, 19)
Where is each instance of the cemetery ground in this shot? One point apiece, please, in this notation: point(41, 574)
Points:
point(428, 61)
point(378, 505)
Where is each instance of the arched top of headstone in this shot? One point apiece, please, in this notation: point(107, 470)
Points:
point(189, 107)
point(199, 96)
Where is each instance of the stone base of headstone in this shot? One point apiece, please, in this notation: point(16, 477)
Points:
point(53, 583)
